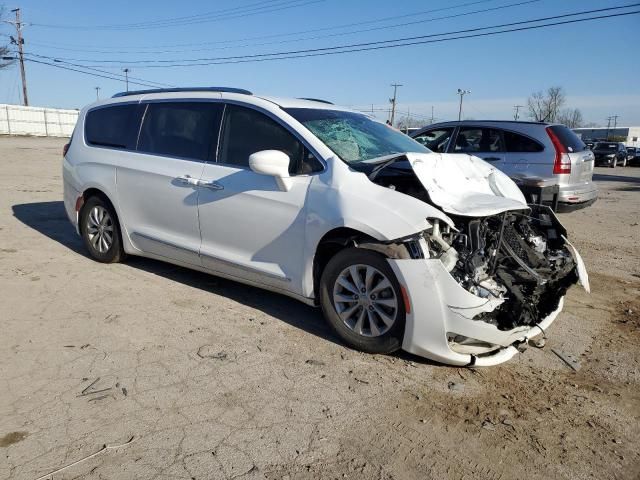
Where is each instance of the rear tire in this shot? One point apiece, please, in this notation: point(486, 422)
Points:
point(101, 231)
point(361, 299)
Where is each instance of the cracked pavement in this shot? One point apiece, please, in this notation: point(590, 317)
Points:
point(216, 380)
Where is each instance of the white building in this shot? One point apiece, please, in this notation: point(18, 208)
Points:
point(632, 134)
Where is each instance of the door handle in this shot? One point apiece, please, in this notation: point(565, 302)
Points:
point(492, 159)
point(212, 185)
point(187, 180)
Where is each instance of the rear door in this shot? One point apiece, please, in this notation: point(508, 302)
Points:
point(158, 190)
point(482, 142)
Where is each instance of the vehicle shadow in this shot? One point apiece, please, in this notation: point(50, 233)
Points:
point(50, 219)
point(602, 177)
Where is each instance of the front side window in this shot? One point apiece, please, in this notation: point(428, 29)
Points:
point(474, 139)
point(112, 126)
point(247, 131)
point(354, 137)
point(181, 129)
point(436, 140)
point(517, 143)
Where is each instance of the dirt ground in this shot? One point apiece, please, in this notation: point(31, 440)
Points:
point(186, 376)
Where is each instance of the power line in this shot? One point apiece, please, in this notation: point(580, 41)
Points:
point(122, 77)
point(109, 77)
point(196, 19)
point(316, 37)
point(378, 45)
point(278, 35)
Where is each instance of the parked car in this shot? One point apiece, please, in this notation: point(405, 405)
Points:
point(528, 152)
point(610, 154)
point(400, 247)
point(633, 155)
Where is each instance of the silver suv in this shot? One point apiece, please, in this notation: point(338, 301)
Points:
point(531, 153)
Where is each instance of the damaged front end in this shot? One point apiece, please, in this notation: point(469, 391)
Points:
point(519, 260)
point(496, 275)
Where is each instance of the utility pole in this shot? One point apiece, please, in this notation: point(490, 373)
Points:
point(608, 126)
point(393, 101)
point(517, 109)
point(97, 93)
point(406, 127)
point(615, 124)
point(126, 76)
point(462, 93)
point(431, 113)
point(19, 41)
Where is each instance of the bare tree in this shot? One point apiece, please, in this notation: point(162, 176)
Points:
point(571, 117)
point(409, 122)
point(545, 106)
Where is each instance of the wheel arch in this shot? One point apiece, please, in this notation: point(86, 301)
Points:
point(330, 244)
point(96, 191)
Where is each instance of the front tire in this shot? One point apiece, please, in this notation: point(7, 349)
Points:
point(101, 231)
point(361, 299)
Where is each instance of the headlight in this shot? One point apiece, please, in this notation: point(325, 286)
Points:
point(611, 155)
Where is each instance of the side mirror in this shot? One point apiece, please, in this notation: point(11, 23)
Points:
point(273, 163)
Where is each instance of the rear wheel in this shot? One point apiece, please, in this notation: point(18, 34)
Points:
point(361, 299)
point(100, 231)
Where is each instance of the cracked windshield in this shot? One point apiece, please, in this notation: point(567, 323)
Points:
point(355, 137)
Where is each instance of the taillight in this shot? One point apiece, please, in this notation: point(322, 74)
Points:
point(65, 149)
point(562, 162)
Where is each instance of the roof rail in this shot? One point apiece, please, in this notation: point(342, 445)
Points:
point(317, 100)
point(178, 90)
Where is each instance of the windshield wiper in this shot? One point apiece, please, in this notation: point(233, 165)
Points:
point(385, 163)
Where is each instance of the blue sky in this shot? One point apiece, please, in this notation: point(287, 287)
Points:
point(596, 62)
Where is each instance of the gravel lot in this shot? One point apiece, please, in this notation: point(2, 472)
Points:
point(188, 376)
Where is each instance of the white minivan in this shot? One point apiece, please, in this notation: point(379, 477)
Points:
point(401, 247)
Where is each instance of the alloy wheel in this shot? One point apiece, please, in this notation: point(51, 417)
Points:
point(365, 300)
point(100, 229)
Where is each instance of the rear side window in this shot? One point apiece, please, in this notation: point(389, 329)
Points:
point(248, 131)
point(475, 139)
point(515, 142)
point(111, 126)
point(569, 139)
point(181, 129)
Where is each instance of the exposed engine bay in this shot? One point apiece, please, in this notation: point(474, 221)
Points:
point(517, 258)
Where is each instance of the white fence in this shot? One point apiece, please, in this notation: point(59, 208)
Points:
point(43, 122)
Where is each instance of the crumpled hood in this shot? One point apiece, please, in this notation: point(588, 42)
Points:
point(465, 185)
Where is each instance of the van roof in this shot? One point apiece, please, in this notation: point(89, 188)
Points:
point(281, 102)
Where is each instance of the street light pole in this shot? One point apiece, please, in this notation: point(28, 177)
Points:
point(126, 77)
point(462, 93)
point(97, 93)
